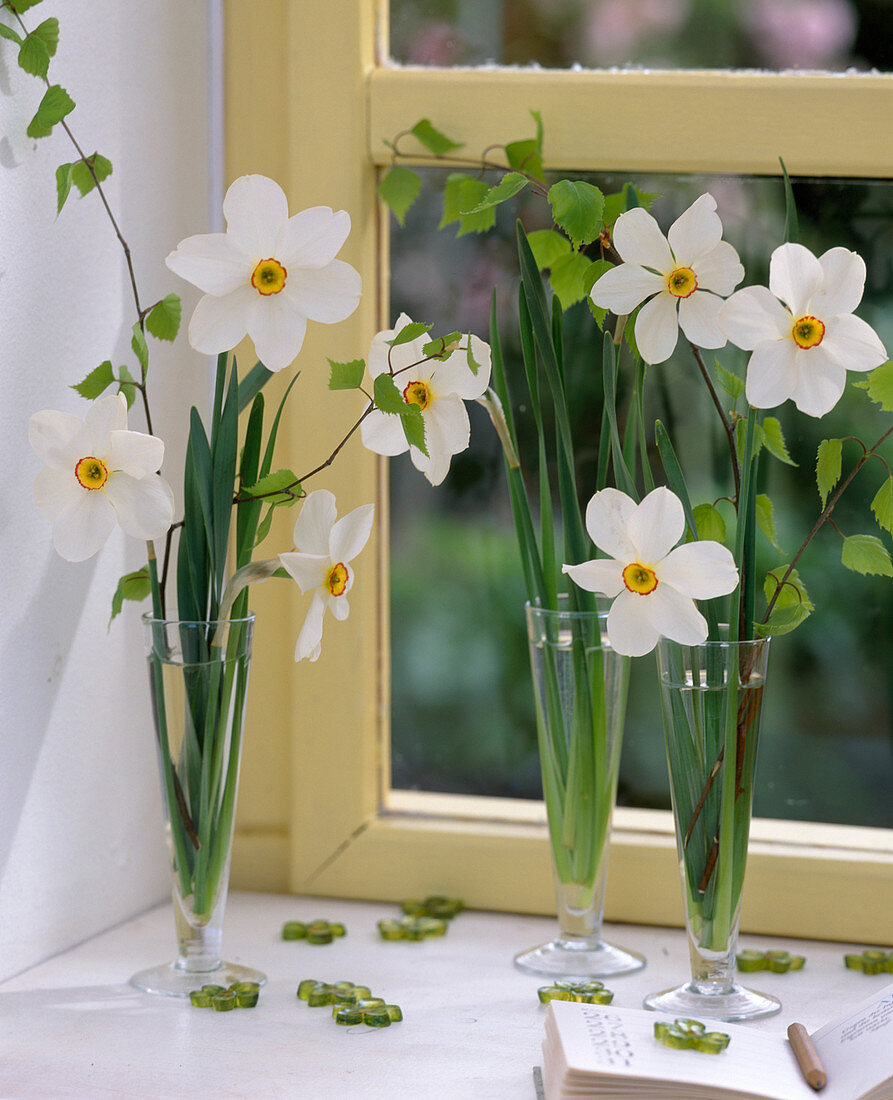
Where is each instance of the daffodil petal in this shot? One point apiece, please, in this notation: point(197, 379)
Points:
point(771, 373)
point(607, 516)
point(328, 294)
point(55, 490)
point(315, 521)
point(312, 238)
point(698, 319)
point(218, 324)
point(277, 326)
point(675, 616)
point(447, 428)
point(383, 433)
point(308, 570)
point(819, 382)
point(853, 343)
point(794, 276)
point(144, 506)
point(382, 357)
point(135, 453)
point(720, 270)
point(623, 287)
point(50, 433)
point(696, 231)
point(106, 415)
point(256, 209)
point(454, 375)
point(753, 315)
point(656, 525)
point(213, 262)
point(630, 630)
point(309, 644)
point(82, 529)
point(604, 575)
point(842, 284)
point(700, 570)
point(338, 605)
point(638, 240)
point(435, 466)
point(351, 533)
point(657, 328)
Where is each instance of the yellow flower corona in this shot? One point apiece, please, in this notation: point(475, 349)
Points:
point(91, 472)
point(639, 578)
point(682, 282)
point(336, 579)
point(417, 393)
point(269, 277)
point(808, 332)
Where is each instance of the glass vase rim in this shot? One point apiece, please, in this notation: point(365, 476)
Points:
point(718, 643)
point(536, 607)
point(151, 620)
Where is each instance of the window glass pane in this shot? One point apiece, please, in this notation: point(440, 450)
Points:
point(462, 703)
point(832, 35)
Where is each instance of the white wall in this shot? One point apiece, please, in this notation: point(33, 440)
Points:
point(81, 843)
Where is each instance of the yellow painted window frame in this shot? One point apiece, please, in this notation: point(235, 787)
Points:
point(309, 102)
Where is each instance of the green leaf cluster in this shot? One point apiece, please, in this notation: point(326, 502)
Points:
point(132, 586)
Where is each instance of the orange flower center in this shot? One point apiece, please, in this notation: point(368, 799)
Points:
point(682, 282)
point(640, 579)
point(808, 332)
point(417, 393)
point(91, 472)
point(268, 277)
point(336, 579)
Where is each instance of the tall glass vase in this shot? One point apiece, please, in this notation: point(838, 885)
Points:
point(580, 687)
point(198, 678)
point(711, 703)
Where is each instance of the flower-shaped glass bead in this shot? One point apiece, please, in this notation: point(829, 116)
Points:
point(871, 961)
point(435, 905)
point(779, 962)
point(411, 928)
point(687, 1034)
point(316, 931)
point(590, 992)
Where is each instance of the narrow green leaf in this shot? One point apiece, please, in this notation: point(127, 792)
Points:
point(387, 396)
point(548, 246)
point(622, 475)
point(675, 478)
point(132, 586)
point(9, 33)
point(709, 522)
point(253, 382)
point(163, 319)
point(409, 332)
point(97, 381)
point(879, 384)
point(346, 376)
point(86, 172)
point(248, 513)
point(829, 463)
point(54, 106)
point(766, 519)
point(773, 440)
point(509, 186)
point(866, 554)
point(791, 224)
point(731, 383)
point(433, 140)
point(577, 208)
point(63, 185)
point(140, 347)
point(568, 278)
point(882, 505)
point(399, 189)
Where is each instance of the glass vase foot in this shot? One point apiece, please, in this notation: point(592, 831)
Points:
point(588, 957)
point(171, 980)
point(726, 1002)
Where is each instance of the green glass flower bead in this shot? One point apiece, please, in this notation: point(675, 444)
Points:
point(338, 929)
point(305, 986)
point(395, 1012)
point(246, 994)
point(377, 1016)
point(223, 1002)
point(200, 999)
point(390, 929)
point(370, 1002)
point(212, 989)
point(294, 930)
point(779, 962)
point(412, 928)
point(871, 961)
point(435, 905)
point(319, 931)
point(687, 1034)
point(591, 992)
point(320, 996)
point(349, 1014)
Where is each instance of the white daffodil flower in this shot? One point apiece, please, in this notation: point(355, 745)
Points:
point(268, 274)
point(682, 278)
point(654, 587)
point(438, 386)
point(325, 547)
point(97, 474)
point(804, 344)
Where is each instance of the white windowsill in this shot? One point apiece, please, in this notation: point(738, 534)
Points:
point(72, 1027)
